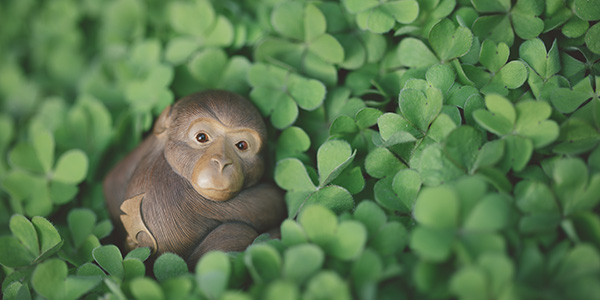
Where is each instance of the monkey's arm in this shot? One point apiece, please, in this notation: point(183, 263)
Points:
point(115, 183)
point(261, 206)
point(226, 237)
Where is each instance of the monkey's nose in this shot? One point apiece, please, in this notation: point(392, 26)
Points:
point(221, 161)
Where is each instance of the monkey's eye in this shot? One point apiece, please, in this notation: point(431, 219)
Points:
point(202, 137)
point(242, 145)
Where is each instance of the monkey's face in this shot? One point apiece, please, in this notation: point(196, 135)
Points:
point(217, 160)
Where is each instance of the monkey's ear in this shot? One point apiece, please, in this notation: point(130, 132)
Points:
point(163, 121)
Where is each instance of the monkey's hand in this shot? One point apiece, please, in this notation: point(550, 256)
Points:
point(138, 234)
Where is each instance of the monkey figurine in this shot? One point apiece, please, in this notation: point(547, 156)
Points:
point(194, 184)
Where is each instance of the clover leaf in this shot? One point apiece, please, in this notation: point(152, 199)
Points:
point(522, 130)
point(278, 93)
point(212, 273)
point(197, 25)
point(449, 41)
point(306, 45)
point(332, 158)
point(51, 280)
point(574, 187)
point(36, 182)
point(213, 69)
point(31, 242)
point(498, 26)
point(380, 17)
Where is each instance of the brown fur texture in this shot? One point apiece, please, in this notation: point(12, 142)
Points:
point(156, 193)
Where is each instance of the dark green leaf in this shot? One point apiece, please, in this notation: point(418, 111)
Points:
point(168, 266)
point(49, 279)
point(302, 261)
point(110, 259)
point(263, 262)
point(23, 230)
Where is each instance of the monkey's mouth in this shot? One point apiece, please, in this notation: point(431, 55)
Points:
point(215, 194)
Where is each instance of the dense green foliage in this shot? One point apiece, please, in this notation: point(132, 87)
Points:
point(429, 149)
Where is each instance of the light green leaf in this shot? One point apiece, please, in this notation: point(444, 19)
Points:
point(13, 254)
point(308, 93)
point(71, 167)
point(404, 11)
point(469, 283)
point(437, 207)
point(381, 163)
point(500, 116)
point(462, 146)
point(287, 19)
point(545, 64)
point(434, 168)
point(328, 48)
point(291, 175)
point(493, 56)
point(292, 141)
point(448, 41)
point(517, 153)
point(191, 18)
point(491, 213)
point(419, 108)
point(43, 143)
point(144, 288)
point(332, 157)
point(141, 254)
point(532, 122)
point(220, 35)
point(76, 286)
point(414, 53)
point(441, 77)
point(292, 234)
point(212, 274)
point(207, 66)
point(526, 25)
point(377, 20)
point(333, 197)
point(355, 6)
point(47, 234)
point(48, 279)
point(23, 156)
point(110, 259)
point(284, 113)
point(349, 241)
point(314, 23)
point(407, 184)
point(263, 262)
point(23, 230)
point(179, 49)
point(319, 223)
point(371, 215)
point(512, 75)
point(495, 27)
point(431, 244)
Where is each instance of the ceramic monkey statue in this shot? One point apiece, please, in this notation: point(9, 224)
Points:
point(194, 184)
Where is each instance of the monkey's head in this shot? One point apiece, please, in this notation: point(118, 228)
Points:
point(214, 140)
